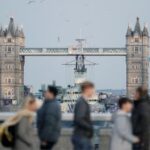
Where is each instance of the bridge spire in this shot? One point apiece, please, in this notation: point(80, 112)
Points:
point(145, 31)
point(11, 27)
point(137, 29)
point(129, 31)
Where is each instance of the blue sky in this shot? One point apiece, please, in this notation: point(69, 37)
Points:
point(103, 24)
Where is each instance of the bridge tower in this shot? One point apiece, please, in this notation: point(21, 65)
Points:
point(11, 67)
point(137, 44)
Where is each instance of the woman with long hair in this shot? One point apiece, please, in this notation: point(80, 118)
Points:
point(25, 136)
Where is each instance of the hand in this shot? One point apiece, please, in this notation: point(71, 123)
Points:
point(137, 140)
point(44, 143)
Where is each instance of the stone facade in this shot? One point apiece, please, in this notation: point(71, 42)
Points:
point(11, 67)
point(137, 44)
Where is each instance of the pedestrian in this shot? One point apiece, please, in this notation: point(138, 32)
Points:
point(141, 119)
point(83, 128)
point(24, 137)
point(122, 137)
point(49, 119)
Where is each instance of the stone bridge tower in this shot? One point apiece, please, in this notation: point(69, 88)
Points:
point(11, 67)
point(137, 44)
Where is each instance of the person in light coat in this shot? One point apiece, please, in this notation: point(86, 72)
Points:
point(26, 137)
point(122, 137)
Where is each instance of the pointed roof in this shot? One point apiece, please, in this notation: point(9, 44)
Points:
point(22, 33)
point(11, 27)
point(137, 28)
point(145, 31)
point(17, 32)
point(129, 31)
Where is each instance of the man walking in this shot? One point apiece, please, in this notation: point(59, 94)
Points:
point(49, 120)
point(83, 129)
point(141, 119)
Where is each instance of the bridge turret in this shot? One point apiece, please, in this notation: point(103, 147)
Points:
point(137, 28)
point(11, 66)
point(129, 31)
point(145, 31)
point(137, 45)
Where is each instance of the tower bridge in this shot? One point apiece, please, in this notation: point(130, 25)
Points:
point(13, 53)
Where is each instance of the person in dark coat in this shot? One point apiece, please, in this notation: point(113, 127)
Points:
point(141, 119)
point(83, 128)
point(49, 120)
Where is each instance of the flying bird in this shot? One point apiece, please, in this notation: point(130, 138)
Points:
point(42, 1)
point(31, 1)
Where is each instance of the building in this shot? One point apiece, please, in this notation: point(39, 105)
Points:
point(137, 44)
point(11, 66)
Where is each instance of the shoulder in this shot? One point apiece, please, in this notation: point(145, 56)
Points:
point(54, 105)
point(24, 120)
point(121, 116)
point(80, 102)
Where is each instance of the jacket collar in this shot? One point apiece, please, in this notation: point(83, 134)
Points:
point(121, 112)
point(49, 100)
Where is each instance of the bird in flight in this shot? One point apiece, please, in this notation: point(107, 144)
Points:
point(31, 1)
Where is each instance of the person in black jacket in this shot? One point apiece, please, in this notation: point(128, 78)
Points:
point(141, 119)
point(83, 128)
point(49, 120)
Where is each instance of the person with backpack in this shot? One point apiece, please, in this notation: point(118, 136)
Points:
point(17, 132)
point(49, 119)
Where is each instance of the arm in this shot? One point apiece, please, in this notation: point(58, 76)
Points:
point(121, 126)
point(80, 116)
point(22, 131)
point(39, 119)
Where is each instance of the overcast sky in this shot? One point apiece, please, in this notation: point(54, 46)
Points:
point(102, 22)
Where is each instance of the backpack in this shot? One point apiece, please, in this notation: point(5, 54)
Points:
point(8, 136)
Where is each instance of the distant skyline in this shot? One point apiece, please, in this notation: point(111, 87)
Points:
point(56, 23)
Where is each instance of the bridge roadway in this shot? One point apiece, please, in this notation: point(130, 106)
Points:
point(73, 52)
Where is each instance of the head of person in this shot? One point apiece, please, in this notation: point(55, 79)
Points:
point(51, 93)
point(140, 92)
point(88, 89)
point(125, 104)
point(30, 104)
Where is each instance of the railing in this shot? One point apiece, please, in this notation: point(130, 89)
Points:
point(73, 52)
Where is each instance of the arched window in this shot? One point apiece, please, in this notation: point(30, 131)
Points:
point(136, 80)
point(9, 93)
point(9, 81)
point(136, 40)
point(9, 40)
point(9, 49)
point(136, 49)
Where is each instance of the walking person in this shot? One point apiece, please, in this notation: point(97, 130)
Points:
point(49, 119)
point(83, 128)
point(141, 119)
point(23, 133)
point(122, 137)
